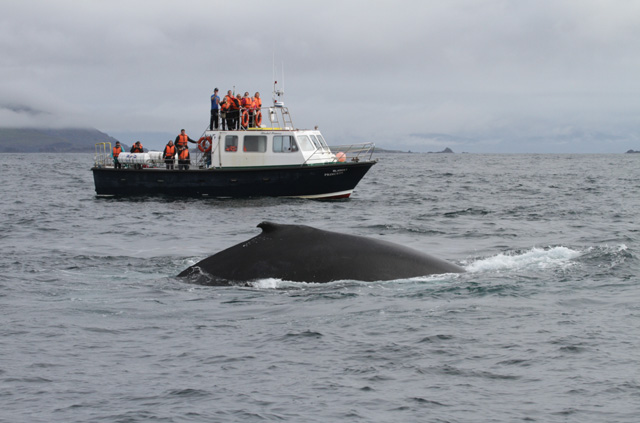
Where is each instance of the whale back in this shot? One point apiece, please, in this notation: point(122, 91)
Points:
point(305, 254)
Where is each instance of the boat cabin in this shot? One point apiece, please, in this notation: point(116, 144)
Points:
point(260, 147)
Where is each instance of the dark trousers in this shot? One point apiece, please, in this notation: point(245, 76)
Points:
point(183, 164)
point(232, 119)
point(169, 163)
point(214, 119)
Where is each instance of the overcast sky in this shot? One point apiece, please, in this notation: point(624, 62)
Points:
point(494, 76)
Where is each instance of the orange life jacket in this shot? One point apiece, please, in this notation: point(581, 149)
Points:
point(232, 102)
point(116, 151)
point(170, 151)
point(184, 154)
point(235, 104)
point(257, 102)
point(182, 140)
point(247, 103)
point(137, 149)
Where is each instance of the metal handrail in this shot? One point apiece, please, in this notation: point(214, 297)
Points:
point(277, 117)
point(102, 156)
point(354, 152)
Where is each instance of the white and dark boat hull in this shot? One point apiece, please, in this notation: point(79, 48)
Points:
point(333, 180)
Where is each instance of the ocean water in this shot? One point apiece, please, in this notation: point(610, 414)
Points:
point(543, 326)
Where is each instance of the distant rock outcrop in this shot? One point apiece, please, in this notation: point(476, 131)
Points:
point(382, 150)
point(446, 150)
point(41, 140)
point(633, 151)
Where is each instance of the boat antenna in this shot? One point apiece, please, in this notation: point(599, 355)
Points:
point(278, 93)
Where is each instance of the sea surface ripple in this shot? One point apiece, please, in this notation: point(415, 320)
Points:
point(543, 327)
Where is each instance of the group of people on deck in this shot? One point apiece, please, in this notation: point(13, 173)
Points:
point(235, 112)
point(117, 149)
point(178, 148)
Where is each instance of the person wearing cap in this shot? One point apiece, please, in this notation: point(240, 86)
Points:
point(215, 110)
point(116, 152)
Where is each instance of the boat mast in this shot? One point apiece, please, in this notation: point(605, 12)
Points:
point(278, 94)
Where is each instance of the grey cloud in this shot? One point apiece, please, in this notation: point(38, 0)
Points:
point(475, 71)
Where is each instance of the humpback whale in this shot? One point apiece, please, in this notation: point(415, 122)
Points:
point(302, 253)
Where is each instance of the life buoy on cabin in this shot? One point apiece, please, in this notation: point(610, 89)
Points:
point(245, 118)
point(258, 118)
point(205, 144)
point(341, 157)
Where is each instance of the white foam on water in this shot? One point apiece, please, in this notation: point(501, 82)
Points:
point(535, 258)
point(276, 283)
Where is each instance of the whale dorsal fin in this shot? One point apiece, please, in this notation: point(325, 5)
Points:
point(268, 227)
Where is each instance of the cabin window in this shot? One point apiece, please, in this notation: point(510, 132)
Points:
point(231, 143)
point(305, 143)
point(284, 144)
point(255, 143)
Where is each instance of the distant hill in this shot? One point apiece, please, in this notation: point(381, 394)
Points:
point(32, 140)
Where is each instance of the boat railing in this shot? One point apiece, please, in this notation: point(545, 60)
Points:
point(353, 152)
point(274, 117)
point(102, 156)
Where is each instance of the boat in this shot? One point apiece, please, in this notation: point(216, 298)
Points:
point(265, 157)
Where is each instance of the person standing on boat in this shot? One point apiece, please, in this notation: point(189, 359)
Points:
point(234, 108)
point(137, 148)
point(183, 139)
point(223, 113)
point(232, 111)
point(116, 152)
point(215, 110)
point(257, 105)
point(169, 154)
point(247, 105)
point(183, 158)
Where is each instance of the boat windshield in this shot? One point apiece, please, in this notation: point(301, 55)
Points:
point(305, 143)
point(324, 143)
point(316, 142)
